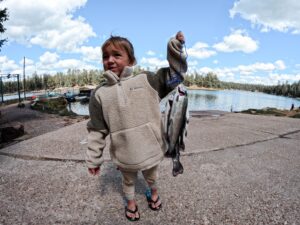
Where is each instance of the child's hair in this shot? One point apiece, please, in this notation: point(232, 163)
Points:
point(121, 42)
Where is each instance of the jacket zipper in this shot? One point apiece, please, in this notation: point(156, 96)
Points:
point(124, 95)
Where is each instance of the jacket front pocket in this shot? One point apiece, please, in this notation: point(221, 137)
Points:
point(134, 146)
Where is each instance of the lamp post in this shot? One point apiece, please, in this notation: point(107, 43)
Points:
point(18, 79)
point(24, 80)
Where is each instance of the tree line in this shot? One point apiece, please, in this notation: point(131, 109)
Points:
point(75, 77)
point(210, 80)
point(3, 18)
point(37, 82)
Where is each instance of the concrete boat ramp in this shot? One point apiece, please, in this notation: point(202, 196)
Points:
point(239, 169)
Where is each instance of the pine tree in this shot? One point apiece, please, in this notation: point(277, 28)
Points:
point(3, 17)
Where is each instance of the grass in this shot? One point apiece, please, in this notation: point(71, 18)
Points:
point(274, 112)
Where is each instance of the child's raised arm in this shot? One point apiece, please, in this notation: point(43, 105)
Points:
point(166, 79)
point(176, 57)
point(180, 37)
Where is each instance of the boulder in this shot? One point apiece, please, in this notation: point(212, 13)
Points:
point(8, 134)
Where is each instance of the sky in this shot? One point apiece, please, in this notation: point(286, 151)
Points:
point(244, 41)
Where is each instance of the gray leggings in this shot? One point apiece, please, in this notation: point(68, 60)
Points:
point(129, 179)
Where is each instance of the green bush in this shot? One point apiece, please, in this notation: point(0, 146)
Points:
point(50, 105)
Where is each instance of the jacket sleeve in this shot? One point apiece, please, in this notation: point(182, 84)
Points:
point(166, 79)
point(97, 131)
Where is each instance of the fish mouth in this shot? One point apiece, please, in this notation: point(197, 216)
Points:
point(181, 92)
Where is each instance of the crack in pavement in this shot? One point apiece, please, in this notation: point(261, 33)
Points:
point(40, 158)
point(241, 145)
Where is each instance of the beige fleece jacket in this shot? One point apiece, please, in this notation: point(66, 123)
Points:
point(127, 109)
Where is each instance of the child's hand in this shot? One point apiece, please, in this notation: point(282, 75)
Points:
point(180, 37)
point(94, 171)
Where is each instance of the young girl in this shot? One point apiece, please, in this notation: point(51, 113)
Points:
point(126, 107)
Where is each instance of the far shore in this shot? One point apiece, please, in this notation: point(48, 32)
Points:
point(195, 87)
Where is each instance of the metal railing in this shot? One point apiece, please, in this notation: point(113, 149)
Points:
point(8, 76)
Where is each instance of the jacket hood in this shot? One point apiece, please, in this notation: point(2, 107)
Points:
point(113, 78)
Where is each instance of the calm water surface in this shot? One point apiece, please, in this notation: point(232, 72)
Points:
point(224, 100)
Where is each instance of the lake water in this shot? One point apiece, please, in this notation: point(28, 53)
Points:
point(16, 96)
point(224, 100)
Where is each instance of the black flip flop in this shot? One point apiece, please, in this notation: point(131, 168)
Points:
point(133, 212)
point(150, 202)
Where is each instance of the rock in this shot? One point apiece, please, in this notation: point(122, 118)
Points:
point(9, 133)
point(21, 105)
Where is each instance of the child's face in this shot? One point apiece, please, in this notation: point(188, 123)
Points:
point(115, 59)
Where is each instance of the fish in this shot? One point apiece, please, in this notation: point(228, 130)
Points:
point(175, 123)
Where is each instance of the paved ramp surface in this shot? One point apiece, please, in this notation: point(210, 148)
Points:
point(239, 169)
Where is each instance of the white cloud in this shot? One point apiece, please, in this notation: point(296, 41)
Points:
point(280, 65)
point(205, 70)
point(28, 62)
point(258, 67)
point(238, 40)
point(153, 63)
point(193, 63)
point(192, 66)
point(48, 63)
point(257, 73)
point(270, 14)
point(256, 80)
point(49, 24)
point(200, 51)
point(48, 58)
point(151, 53)
point(200, 45)
point(91, 54)
point(250, 69)
point(70, 64)
point(8, 65)
point(63, 66)
point(297, 68)
point(284, 77)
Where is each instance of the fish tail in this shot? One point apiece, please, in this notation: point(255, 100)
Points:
point(177, 166)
